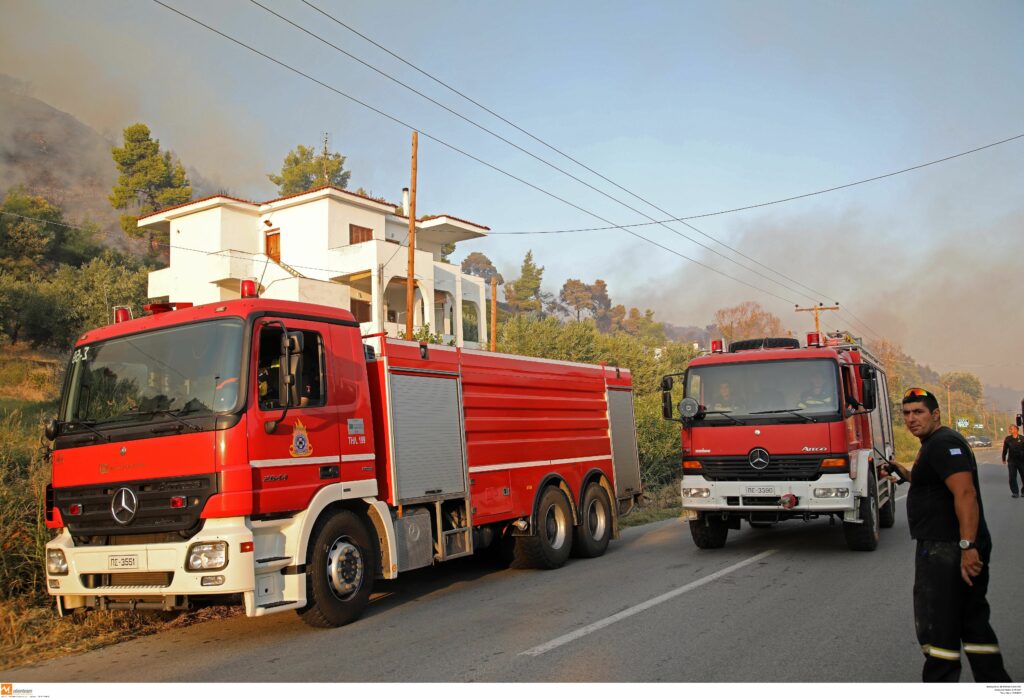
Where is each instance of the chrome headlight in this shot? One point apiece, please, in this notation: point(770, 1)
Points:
point(56, 563)
point(696, 492)
point(207, 556)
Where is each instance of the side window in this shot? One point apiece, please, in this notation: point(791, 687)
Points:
point(268, 370)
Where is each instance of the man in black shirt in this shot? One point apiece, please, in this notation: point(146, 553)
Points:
point(953, 549)
point(1013, 459)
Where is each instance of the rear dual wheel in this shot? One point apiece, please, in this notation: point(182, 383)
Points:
point(591, 537)
point(551, 543)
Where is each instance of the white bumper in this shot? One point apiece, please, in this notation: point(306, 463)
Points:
point(153, 569)
point(758, 496)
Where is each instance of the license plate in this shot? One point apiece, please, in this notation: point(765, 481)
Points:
point(123, 562)
point(759, 491)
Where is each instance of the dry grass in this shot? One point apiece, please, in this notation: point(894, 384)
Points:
point(30, 632)
point(659, 503)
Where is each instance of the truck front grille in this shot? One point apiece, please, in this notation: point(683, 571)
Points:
point(779, 468)
point(121, 580)
point(95, 523)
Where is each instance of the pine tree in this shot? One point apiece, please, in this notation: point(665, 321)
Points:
point(306, 169)
point(150, 180)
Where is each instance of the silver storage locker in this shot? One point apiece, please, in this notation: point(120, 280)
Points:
point(625, 459)
point(429, 460)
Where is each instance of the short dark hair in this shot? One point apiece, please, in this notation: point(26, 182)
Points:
point(921, 395)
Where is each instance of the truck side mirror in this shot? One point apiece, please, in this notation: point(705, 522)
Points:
point(666, 404)
point(867, 372)
point(666, 384)
point(869, 395)
point(291, 386)
point(52, 429)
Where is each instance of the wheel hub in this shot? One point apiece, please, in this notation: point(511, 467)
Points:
point(345, 568)
point(597, 520)
point(555, 527)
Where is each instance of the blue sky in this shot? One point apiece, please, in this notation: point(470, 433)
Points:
point(698, 106)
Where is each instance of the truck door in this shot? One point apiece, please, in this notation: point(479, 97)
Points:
point(303, 453)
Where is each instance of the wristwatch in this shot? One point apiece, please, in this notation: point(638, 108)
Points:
point(967, 545)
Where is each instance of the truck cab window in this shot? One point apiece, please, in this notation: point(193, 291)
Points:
point(268, 370)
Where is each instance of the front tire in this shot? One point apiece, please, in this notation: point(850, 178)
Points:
point(551, 543)
point(340, 571)
point(590, 539)
point(709, 532)
point(864, 536)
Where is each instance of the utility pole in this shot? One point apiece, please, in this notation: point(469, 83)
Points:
point(494, 312)
point(949, 408)
point(410, 281)
point(817, 310)
point(323, 160)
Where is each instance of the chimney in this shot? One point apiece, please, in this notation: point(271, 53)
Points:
point(405, 201)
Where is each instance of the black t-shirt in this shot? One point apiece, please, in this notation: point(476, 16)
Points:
point(1013, 449)
point(930, 507)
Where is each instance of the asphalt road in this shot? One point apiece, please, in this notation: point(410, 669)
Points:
point(788, 604)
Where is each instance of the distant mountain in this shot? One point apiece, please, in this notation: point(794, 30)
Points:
point(54, 155)
point(1003, 398)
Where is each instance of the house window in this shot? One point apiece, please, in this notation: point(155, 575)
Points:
point(357, 234)
point(361, 310)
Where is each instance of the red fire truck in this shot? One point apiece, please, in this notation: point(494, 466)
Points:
point(260, 452)
point(774, 431)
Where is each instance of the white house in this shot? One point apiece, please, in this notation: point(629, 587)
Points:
point(326, 246)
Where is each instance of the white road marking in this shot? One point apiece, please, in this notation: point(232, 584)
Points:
point(639, 608)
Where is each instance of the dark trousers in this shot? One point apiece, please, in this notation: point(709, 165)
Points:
point(949, 613)
point(1015, 470)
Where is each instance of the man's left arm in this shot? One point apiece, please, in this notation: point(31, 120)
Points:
point(965, 502)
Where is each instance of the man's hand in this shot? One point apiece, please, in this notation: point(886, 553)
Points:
point(892, 469)
point(970, 565)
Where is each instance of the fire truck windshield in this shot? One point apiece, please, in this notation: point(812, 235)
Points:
point(792, 390)
point(168, 373)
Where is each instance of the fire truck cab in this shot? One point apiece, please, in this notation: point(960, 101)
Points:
point(773, 431)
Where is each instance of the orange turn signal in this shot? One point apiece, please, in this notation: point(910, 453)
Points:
point(692, 465)
point(833, 463)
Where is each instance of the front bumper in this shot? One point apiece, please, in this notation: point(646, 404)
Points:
point(158, 570)
point(766, 495)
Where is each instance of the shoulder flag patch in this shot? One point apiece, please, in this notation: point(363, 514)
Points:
point(955, 452)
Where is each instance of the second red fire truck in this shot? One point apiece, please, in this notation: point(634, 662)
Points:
point(773, 431)
point(261, 452)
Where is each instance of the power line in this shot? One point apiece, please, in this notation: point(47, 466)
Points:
point(628, 191)
point(521, 149)
point(456, 149)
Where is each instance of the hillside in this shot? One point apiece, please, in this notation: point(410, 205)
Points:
point(56, 156)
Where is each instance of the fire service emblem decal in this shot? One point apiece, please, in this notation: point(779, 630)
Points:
point(300, 441)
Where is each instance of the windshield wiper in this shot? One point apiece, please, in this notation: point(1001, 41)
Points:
point(795, 412)
point(86, 424)
point(724, 413)
point(175, 415)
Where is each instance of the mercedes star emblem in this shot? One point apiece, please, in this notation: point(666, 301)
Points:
point(758, 459)
point(123, 506)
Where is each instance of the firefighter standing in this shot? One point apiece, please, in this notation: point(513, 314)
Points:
point(947, 520)
point(1013, 459)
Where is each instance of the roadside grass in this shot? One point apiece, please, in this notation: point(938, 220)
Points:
point(659, 502)
point(31, 632)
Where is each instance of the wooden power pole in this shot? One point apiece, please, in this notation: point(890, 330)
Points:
point(494, 312)
point(817, 310)
point(410, 282)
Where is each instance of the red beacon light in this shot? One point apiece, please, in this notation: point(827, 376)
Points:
point(813, 339)
point(122, 313)
point(249, 288)
point(717, 346)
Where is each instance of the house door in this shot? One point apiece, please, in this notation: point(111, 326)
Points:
point(274, 246)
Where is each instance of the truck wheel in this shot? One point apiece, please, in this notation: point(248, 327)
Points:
point(887, 513)
point(709, 532)
point(590, 538)
point(864, 536)
point(340, 571)
point(549, 548)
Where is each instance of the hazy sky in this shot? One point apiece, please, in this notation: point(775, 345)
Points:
point(695, 106)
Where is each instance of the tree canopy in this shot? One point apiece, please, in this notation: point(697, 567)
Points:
point(478, 264)
point(524, 295)
point(747, 320)
point(150, 180)
point(304, 168)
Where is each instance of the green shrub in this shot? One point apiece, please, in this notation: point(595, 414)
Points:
point(24, 472)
